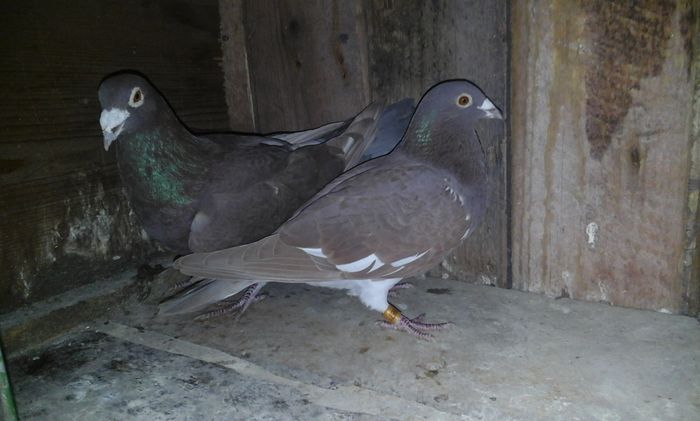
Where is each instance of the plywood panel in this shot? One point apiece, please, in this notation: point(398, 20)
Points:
point(602, 96)
point(306, 61)
point(412, 46)
point(63, 217)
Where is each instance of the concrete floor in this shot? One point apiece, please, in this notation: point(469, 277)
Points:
point(310, 353)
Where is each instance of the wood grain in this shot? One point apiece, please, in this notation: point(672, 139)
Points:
point(63, 217)
point(239, 97)
point(600, 187)
point(307, 62)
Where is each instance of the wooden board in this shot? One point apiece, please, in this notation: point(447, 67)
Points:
point(602, 103)
point(63, 218)
point(239, 96)
point(307, 62)
point(412, 46)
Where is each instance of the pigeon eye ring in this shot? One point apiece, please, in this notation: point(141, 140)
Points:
point(464, 100)
point(136, 98)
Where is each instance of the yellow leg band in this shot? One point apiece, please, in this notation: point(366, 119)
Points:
point(392, 314)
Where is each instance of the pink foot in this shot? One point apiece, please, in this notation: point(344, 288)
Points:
point(238, 306)
point(416, 326)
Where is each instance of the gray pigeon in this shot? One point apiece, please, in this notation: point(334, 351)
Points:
point(204, 193)
point(387, 219)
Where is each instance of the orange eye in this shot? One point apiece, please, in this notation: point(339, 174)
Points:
point(464, 100)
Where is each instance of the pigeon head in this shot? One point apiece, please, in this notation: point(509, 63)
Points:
point(129, 102)
point(444, 121)
point(458, 99)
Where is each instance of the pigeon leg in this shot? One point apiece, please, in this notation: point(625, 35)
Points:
point(416, 326)
point(394, 291)
point(239, 306)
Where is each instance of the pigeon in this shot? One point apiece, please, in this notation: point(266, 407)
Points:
point(197, 193)
point(389, 218)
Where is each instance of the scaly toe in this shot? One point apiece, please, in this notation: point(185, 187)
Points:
point(394, 291)
point(236, 306)
point(416, 327)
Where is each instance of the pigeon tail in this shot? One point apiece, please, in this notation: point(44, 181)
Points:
point(202, 295)
point(310, 137)
point(359, 135)
point(391, 127)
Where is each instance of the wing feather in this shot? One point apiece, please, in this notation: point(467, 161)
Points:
point(367, 223)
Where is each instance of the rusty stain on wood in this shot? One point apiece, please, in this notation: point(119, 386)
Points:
point(605, 222)
point(628, 39)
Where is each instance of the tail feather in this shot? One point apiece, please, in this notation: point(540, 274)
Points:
point(371, 133)
point(391, 127)
point(359, 134)
point(312, 136)
point(201, 295)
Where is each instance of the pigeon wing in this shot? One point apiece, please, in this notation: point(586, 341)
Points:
point(387, 221)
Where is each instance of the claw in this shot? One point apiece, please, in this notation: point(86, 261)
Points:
point(237, 306)
point(416, 326)
point(179, 286)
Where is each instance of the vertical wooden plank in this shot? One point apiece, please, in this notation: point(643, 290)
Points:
point(63, 218)
point(602, 94)
point(412, 46)
point(239, 98)
point(690, 276)
point(307, 62)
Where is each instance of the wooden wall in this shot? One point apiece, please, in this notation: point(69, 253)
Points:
point(604, 202)
point(63, 218)
point(292, 64)
point(605, 121)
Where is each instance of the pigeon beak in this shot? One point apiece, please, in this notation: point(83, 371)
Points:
point(490, 110)
point(112, 122)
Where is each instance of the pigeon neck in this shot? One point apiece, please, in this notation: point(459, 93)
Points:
point(165, 164)
point(451, 145)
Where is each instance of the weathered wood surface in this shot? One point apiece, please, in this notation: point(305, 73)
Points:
point(690, 276)
point(306, 61)
point(63, 218)
point(602, 98)
point(239, 97)
point(314, 62)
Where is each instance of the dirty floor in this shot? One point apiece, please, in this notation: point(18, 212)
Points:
point(308, 353)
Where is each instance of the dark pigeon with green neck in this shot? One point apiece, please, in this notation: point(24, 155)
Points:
point(386, 219)
point(203, 193)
